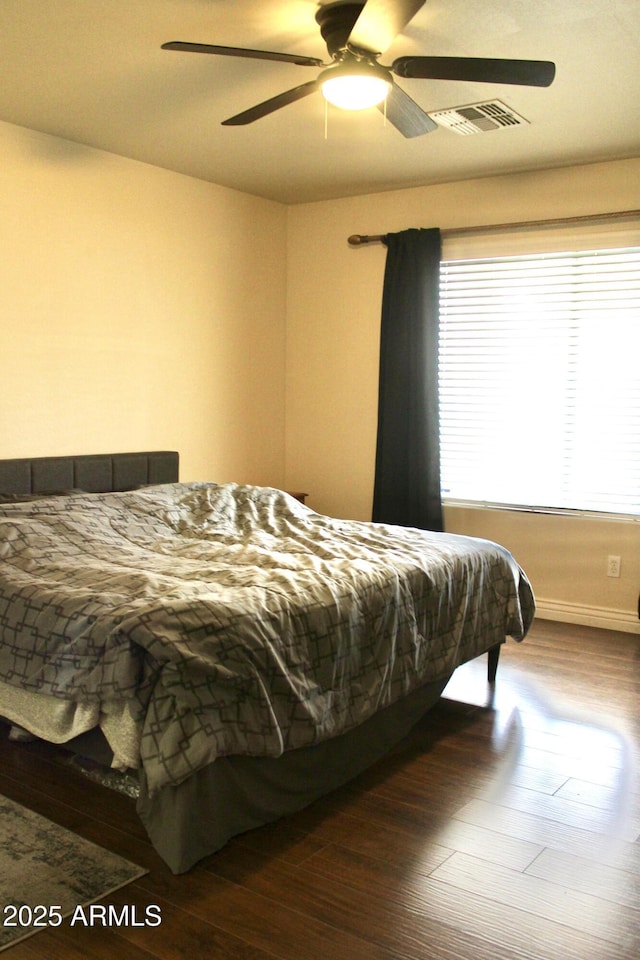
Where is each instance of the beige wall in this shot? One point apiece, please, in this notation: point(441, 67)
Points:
point(334, 300)
point(141, 309)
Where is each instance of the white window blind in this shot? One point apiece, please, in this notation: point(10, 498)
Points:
point(540, 380)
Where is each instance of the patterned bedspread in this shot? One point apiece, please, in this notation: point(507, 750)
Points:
point(233, 619)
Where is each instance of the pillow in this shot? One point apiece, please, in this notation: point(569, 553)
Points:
point(27, 497)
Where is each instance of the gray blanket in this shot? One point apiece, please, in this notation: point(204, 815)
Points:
point(235, 620)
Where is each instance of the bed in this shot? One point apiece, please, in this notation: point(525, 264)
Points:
point(242, 653)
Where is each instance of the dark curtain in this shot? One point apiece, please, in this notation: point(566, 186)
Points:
point(407, 477)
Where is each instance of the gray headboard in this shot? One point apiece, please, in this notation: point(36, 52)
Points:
point(95, 473)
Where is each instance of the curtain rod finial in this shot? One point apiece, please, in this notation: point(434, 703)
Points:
point(357, 239)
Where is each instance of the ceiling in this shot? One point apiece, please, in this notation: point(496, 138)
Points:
point(92, 72)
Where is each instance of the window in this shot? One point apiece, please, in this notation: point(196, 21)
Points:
point(540, 379)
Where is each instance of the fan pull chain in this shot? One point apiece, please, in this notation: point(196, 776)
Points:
point(326, 119)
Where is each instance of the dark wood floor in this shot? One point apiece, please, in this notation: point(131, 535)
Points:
point(502, 828)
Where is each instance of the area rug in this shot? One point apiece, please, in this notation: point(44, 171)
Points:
point(47, 873)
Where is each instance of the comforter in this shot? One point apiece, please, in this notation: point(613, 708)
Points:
point(234, 620)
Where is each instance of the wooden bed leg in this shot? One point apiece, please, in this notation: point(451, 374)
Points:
point(492, 668)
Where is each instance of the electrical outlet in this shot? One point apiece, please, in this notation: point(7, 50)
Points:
point(613, 566)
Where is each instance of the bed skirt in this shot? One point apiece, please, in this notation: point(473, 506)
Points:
point(234, 794)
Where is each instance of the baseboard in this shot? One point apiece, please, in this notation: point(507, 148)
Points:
point(603, 617)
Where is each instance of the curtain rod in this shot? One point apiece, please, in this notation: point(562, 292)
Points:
point(357, 239)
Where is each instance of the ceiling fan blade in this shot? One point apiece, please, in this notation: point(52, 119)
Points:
point(381, 21)
point(405, 114)
point(530, 73)
point(186, 47)
point(275, 103)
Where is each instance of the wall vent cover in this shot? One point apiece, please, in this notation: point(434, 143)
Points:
point(478, 117)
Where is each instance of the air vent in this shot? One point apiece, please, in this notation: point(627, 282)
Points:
point(478, 117)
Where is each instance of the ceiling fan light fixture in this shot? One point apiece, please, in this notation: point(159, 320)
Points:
point(355, 85)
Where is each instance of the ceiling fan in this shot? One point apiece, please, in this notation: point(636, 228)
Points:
point(356, 34)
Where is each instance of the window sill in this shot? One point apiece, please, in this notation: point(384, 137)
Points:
point(549, 511)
